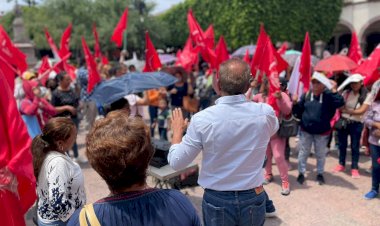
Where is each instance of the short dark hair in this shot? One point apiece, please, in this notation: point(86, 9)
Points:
point(118, 147)
point(234, 76)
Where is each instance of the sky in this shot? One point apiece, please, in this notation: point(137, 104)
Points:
point(162, 5)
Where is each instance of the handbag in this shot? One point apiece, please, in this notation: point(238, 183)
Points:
point(288, 127)
point(190, 104)
point(341, 124)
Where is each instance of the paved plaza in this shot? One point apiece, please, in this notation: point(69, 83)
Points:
point(338, 202)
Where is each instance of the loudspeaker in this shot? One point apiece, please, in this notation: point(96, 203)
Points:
point(160, 157)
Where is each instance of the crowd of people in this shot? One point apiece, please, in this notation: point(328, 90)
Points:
point(234, 127)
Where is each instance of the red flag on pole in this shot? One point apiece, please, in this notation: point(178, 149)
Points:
point(98, 53)
point(262, 41)
point(188, 56)
point(198, 38)
point(45, 66)
point(354, 52)
point(210, 37)
point(269, 66)
point(65, 41)
point(152, 61)
point(117, 35)
point(246, 57)
point(16, 158)
point(13, 61)
point(305, 64)
point(283, 48)
point(93, 74)
point(221, 51)
point(369, 67)
point(196, 32)
point(52, 45)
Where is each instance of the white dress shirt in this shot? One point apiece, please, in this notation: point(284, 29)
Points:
point(234, 135)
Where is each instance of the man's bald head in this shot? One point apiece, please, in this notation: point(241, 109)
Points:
point(234, 76)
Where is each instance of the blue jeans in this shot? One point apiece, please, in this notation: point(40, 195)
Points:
point(353, 129)
point(375, 154)
point(320, 146)
point(227, 208)
point(153, 113)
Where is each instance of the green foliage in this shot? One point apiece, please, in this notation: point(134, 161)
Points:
point(238, 20)
point(57, 14)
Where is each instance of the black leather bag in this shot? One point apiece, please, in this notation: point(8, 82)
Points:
point(341, 124)
point(288, 127)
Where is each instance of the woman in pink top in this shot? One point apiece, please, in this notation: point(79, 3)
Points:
point(276, 147)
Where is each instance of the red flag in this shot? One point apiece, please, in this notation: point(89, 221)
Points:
point(197, 36)
point(52, 45)
point(98, 53)
point(282, 65)
point(246, 57)
point(262, 41)
point(152, 61)
point(369, 67)
point(45, 66)
point(15, 156)
point(93, 74)
point(305, 64)
point(221, 51)
point(70, 69)
point(188, 56)
point(283, 48)
point(105, 60)
point(209, 37)
point(9, 72)
point(355, 53)
point(269, 66)
point(10, 53)
point(196, 32)
point(117, 35)
point(65, 41)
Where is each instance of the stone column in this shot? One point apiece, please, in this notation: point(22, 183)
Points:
point(319, 46)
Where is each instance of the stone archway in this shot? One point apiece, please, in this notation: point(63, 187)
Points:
point(370, 35)
point(341, 37)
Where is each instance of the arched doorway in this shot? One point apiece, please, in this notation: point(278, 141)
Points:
point(371, 37)
point(341, 38)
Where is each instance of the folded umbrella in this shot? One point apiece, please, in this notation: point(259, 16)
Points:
point(109, 91)
point(336, 63)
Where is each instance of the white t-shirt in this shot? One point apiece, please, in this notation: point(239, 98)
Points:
point(60, 188)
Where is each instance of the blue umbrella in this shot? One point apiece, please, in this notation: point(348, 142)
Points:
point(109, 91)
point(242, 50)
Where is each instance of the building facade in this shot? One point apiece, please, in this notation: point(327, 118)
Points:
point(361, 16)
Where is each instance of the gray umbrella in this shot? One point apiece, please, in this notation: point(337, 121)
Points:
point(242, 50)
point(109, 91)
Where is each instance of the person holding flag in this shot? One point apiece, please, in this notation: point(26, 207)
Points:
point(315, 109)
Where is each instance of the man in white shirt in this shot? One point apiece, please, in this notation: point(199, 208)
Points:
point(233, 136)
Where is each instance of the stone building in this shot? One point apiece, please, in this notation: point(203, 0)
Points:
point(361, 16)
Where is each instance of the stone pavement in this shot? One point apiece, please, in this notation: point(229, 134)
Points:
point(338, 202)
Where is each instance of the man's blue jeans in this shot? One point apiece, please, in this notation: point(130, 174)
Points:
point(320, 147)
point(227, 208)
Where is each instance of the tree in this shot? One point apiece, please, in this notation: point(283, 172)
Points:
point(57, 14)
point(238, 20)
